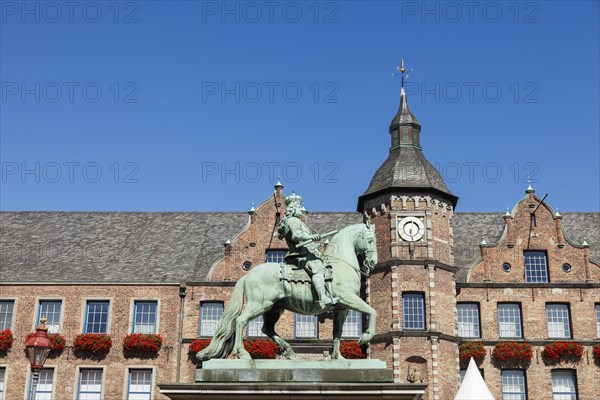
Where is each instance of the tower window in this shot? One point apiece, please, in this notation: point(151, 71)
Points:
point(413, 311)
point(405, 134)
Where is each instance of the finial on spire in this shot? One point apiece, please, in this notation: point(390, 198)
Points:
point(278, 184)
point(530, 189)
point(252, 210)
point(402, 70)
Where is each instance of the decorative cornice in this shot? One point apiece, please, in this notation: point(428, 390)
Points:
point(393, 262)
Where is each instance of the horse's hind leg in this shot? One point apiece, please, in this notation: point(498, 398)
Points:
point(253, 310)
point(339, 317)
point(270, 319)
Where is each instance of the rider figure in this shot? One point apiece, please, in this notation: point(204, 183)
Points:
point(308, 256)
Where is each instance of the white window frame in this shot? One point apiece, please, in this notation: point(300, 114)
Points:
point(78, 378)
point(353, 325)
point(29, 382)
point(14, 308)
point(535, 265)
point(553, 312)
point(254, 328)
point(303, 332)
point(421, 296)
point(204, 329)
point(505, 326)
point(84, 312)
point(133, 312)
point(38, 314)
point(278, 254)
point(564, 395)
point(513, 395)
point(130, 368)
point(3, 380)
point(471, 328)
point(597, 309)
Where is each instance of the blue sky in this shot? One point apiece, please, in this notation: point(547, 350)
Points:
point(199, 106)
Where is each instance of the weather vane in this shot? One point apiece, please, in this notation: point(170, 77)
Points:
point(401, 70)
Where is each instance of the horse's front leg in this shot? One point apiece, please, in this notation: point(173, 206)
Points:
point(339, 317)
point(355, 303)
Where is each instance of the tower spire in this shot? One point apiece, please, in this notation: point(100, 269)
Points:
point(404, 128)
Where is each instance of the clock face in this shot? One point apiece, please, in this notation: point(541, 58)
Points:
point(411, 229)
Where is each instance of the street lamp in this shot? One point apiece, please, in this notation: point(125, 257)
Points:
point(38, 348)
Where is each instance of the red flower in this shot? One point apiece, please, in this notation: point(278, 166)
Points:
point(597, 353)
point(140, 342)
point(562, 351)
point(95, 343)
point(261, 348)
point(352, 350)
point(471, 349)
point(516, 352)
point(56, 339)
point(199, 345)
point(6, 339)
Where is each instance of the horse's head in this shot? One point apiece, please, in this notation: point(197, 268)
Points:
point(366, 248)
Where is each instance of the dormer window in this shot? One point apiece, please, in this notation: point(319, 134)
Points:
point(536, 267)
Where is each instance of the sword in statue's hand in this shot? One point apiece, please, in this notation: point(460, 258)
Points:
point(302, 244)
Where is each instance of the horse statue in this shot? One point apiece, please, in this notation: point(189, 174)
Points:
point(351, 252)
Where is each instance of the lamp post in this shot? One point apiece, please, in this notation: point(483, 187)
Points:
point(38, 348)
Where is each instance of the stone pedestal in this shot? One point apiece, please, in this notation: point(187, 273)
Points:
point(294, 371)
point(294, 380)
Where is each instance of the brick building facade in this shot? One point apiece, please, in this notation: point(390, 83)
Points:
point(437, 285)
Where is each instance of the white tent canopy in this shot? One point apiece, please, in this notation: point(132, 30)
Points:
point(473, 386)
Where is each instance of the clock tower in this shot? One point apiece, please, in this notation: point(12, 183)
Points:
point(413, 288)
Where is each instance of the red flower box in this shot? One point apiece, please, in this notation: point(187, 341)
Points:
point(471, 349)
point(56, 339)
point(261, 348)
point(6, 339)
point(597, 353)
point(198, 345)
point(95, 343)
point(513, 352)
point(562, 351)
point(352, 350)
point(258, 348)
point(140, 342)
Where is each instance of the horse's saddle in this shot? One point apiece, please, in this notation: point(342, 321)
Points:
point(293, 273)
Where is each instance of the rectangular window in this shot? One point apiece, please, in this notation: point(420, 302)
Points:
point(140, 384)
point(353, 325)
point(395, 138)
point(416, 137)
point(413, 311)
point(559, 323)
point(563, 385)
point(536, 267)
point(277, 256)
point(2, 377)
point(90, 384)
point(96, 317)
point(44, 386)
point(509, 321)
point(210, 313)
point(6, 314)
point(513, 385)
point(405, 134)
point(468, 320)
point(50, 310)
point(598, 320)
point(254, 328)
point(305, 326)
point(144, 317)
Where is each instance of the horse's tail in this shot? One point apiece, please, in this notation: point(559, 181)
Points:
point(224, 337)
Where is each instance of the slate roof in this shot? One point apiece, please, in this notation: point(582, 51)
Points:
point(405, 168)
point(166, 247)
